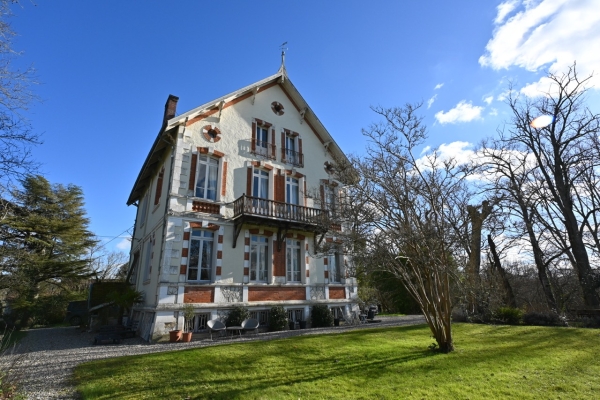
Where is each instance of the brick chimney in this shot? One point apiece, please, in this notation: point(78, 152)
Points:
point(170, 108)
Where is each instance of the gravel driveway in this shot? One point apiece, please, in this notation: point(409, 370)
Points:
point(47, 356)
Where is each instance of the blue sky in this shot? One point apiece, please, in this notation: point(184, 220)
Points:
point(106, 68)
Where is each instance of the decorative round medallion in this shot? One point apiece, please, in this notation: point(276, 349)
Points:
point(212, 134)
point(329, 167)
point(277, 108)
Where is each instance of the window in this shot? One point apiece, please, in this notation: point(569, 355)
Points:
point(148, 260)
point(329, 198)
point(200, 258)
point(208, 172)
point(291, 148)
point(262, 139)
point(144, 210)
point(259, 251)
point(292, 190)
point(260, 190)
point(293, 260)
point(334, 264)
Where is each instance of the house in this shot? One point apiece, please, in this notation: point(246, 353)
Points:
point(234, 202)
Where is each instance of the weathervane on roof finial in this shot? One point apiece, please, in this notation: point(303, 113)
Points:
point(283, 49)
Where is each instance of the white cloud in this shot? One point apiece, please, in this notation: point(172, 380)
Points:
point(425, 150)
point(124, 244)
point(460, 151)
point(438, 86)
point(494, 112)
point(463, 112)
point(504, 9)
point(488, 100)
point(431, 100)
point(548, 34)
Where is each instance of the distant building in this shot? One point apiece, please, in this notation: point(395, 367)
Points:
point(232, 200)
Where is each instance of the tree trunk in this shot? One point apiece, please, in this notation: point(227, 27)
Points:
point(509, 294)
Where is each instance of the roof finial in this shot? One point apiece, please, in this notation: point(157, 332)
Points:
point(283, 49)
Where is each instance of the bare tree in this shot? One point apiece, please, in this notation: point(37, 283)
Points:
point(401, 204)
point(16, 134)
point(559, 151)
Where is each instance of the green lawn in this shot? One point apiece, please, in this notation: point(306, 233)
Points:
point(392, 363)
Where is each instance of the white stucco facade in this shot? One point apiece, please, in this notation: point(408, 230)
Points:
point(208, 250)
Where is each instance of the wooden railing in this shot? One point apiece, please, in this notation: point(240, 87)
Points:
point(255, 206)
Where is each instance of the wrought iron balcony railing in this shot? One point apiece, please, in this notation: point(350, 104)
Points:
point(265, 149)
point(292, 157)
point(257, 207)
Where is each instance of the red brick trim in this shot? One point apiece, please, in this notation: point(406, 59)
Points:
point(184, 252)
point(186, 235)
point(206, 133)
point(253, 231)
point(218, 271)
point(338, 293)
point(246, 271)
point(182, 269)
point(224, 179)
point(199, 295)
point(259, 293)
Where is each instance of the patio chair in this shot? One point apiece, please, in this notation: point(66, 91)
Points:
point(214, 325)
point(250, 325)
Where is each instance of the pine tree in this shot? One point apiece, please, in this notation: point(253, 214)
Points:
point(45, 238)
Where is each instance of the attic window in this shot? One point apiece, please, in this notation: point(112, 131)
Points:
point(277, 108)
point(329, 168)
point(211, 134)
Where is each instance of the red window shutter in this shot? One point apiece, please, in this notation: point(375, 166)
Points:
point(305, 205)
point(224, 179)
point(253, 144)
point(273, 147)
point(279, 261)
point(282, 146)
point(159, 183)
point(249, 182)
point(192, 184)
point(280, 187)
point(300, 151)
point(322, 189)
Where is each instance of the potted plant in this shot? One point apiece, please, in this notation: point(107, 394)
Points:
point(188, 316)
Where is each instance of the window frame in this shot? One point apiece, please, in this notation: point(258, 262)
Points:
point(334, 266)
point(260, 243)
point(293, 247)
point(204, 242)
point(208, 161)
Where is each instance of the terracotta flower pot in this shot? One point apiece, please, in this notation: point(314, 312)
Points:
point(186, 337)
point(174, 336)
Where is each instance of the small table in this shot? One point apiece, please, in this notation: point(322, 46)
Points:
point(235, 328)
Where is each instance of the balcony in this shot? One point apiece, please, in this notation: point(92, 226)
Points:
point(292, 157)
point(264, 149)
point(283, 216)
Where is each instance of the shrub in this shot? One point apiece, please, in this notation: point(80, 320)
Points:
point(588, 322)
point(321, 316)
point(237, 316)
point(278, 320)
point(508, 315)
point(543, 319)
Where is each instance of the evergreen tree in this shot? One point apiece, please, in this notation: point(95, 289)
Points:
point(45, 238)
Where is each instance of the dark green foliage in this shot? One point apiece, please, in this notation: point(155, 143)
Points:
point(321, 316)
point(390, 293)
point(44, 243)
point(588, 322)
point(543, 319)
point(278, 320)
point(508, 315)
point(237, 315)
